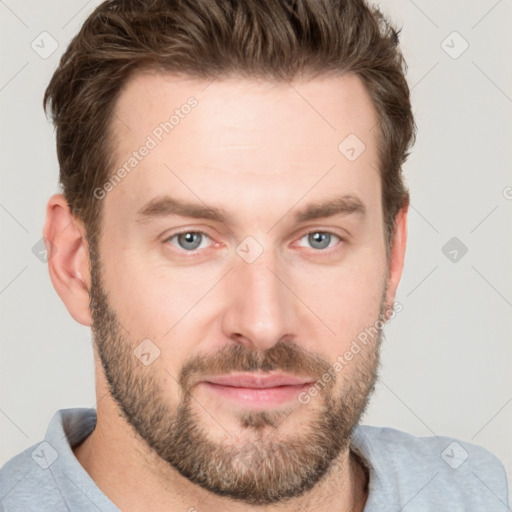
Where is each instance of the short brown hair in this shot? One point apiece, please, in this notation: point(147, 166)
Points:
point(278, 39)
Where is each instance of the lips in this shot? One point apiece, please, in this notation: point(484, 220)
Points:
point(257, 391)
point(258, 381)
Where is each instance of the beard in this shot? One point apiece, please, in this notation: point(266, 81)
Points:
point(263, 465)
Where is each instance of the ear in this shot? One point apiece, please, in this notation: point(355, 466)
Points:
point(397, 254)
point(68, 258)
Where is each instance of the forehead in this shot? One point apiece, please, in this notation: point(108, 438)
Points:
point(231, 138)
point(315, 109)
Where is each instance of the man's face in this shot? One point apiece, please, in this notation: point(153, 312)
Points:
point(245, 313)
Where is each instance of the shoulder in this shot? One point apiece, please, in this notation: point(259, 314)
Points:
point(24, 475)
point(432, 469)
point(47, 475)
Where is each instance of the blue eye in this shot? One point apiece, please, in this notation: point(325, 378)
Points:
point(189, 240)
point(320, 240)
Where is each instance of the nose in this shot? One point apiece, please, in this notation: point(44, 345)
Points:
point(261, 310)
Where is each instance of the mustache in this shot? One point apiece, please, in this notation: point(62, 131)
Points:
point(285, 356)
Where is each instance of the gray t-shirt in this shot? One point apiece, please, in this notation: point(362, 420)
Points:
point(407, 473)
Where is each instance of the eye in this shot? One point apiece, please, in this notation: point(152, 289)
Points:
point(320, 240)
point(188, 240)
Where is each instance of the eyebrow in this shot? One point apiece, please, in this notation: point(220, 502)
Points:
point(165, 206)
point(346, 205)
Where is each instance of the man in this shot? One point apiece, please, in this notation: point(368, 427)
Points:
point(233, 229)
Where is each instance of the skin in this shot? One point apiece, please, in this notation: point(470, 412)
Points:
point(260, 151)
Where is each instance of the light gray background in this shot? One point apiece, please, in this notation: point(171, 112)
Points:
point(447, 359)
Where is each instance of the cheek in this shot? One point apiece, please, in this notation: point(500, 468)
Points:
point(159, 302)
point(346, 298)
